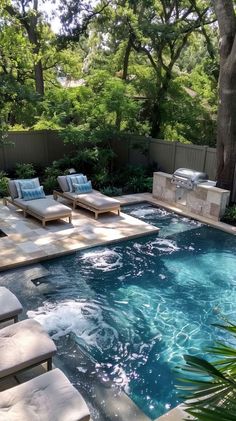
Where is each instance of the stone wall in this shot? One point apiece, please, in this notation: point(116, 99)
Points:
point(205, 199)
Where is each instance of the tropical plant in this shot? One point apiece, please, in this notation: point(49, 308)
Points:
point(210, 387)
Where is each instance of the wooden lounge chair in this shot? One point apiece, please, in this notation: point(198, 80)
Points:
point(45, 209)
point(49, 397)
point(24, 345)
point(10, 306)
point(94, 201)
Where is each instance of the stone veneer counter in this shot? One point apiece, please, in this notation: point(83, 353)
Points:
point(205, 199)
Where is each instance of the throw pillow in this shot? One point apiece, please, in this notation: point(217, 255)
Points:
point(32, 194)
point(30, 183)
point(83, 188)
point(69, 181)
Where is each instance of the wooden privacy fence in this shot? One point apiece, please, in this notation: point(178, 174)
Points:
point(43, 147)
point(167, 155)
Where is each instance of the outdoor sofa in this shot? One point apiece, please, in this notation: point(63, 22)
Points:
point(37, 205)
point(91, 200)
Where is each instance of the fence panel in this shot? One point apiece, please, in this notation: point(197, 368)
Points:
point(26, 147)
point(162, 153)
point(210, 165)
point(190, 156)
point(43, 147)
point(56, 148)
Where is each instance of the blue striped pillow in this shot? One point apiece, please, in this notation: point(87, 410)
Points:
point(32, 194)
point(83, 188)
point(72, 179)
point(30, 183)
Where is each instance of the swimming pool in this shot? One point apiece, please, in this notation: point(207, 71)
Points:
point(137, 306)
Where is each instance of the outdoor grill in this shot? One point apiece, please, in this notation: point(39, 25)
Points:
point(188, 179)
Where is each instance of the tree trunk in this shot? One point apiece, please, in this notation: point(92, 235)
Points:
point(226, 121)
point(155, 120)
point(126, 59)
point(226, 130)
point(38, 75)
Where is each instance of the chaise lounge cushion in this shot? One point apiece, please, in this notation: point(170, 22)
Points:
point(95, 199)
point(48, 208)
point(10, 306)
point(22, 345)
point(49, 397)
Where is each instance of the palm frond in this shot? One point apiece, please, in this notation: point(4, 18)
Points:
point(209, 388)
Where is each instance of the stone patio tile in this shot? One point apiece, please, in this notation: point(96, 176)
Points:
point(29, 247)
point(27, 241)
point(38, 254)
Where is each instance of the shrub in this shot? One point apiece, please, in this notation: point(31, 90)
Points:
point(50, 182)
point(230, 215)
point(3, 184)
point(134, 179)
point(112, 191)
point(24, 170)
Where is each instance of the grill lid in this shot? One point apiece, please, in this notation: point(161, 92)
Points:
point(192, 175)
point(187, 178)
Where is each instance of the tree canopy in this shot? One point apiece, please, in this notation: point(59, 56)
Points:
point(129, 65)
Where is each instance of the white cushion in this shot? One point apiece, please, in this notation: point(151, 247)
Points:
point(48, 208)
point(49, 397)
point(22, 345)
point(10, 306)
point(95, 199)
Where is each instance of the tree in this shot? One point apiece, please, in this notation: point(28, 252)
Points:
point(226, 127)
point(29, 18)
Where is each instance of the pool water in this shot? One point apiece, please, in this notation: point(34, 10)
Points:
point(137, 306)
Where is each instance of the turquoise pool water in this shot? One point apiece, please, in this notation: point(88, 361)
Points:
point(136, 307)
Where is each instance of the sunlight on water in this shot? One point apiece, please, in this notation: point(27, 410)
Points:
point(139, 306)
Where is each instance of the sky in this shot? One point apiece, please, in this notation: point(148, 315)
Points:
point(49, 7)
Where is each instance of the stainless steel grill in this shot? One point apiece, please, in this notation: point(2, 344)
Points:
point(188, 179)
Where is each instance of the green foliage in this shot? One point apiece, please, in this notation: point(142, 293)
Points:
point(163, 70)
point(210, 387)
point(230, 215)
point(134, 179)
point(111, 191)
point(24, 170)
point(189, 112)
point(3, 184)
point(50, 182)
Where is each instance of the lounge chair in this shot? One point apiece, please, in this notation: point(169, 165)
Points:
point(24, 345)
point(45, 209)
point(94, 201)
point(48, 397)
point(10, 306)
